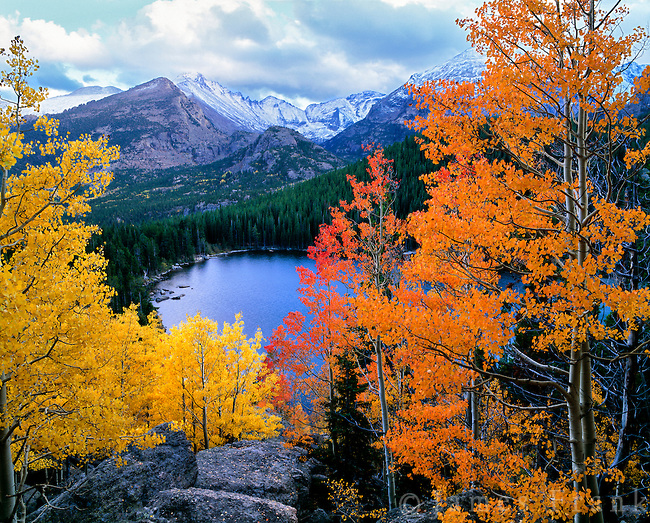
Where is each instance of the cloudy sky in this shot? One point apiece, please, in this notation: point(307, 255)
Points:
point(300, 50)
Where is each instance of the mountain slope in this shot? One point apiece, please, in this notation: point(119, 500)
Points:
point(317, 122)
point(275, 159)
point(384, 123)
point(156, 127)
point(286, 152)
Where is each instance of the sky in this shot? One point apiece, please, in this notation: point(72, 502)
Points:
point(302, 51)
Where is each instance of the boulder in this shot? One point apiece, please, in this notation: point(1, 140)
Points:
point(196, 505)
point(244, 482)
point(318, 516)
point(263, 469)
point(118, 493)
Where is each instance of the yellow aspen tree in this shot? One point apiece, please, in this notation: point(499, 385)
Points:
point(55, 321)
point(538, 153)
point(215, 384)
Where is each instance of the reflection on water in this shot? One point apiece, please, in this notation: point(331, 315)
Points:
point(261, 285)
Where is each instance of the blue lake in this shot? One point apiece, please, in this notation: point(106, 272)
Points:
point(260, 285)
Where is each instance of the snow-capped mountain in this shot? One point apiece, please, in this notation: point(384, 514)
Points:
point(629, 72)
point(384, 122)
point(318, 122)
point(464, 67)
point(58, 104)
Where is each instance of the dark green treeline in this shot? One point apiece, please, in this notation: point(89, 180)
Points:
point(287, 219)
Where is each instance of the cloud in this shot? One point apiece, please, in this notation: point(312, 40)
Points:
point(374, 32)
point(302, 50)
point(299, 49)
point(55, 77)
point(465, 8)
point(50, 42)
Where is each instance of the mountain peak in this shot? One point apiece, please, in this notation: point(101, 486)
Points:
point(464, 67)
point(157, 83)
point(318, 122)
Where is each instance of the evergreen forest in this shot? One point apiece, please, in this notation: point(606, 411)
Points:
point(289, 218)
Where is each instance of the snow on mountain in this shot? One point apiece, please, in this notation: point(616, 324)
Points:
point(318, 122)
point(58, 104)
point(464, 67)
point(384, 122)
point(231, 105)
point(343, 112)
point(281, 113)
point(629, 72)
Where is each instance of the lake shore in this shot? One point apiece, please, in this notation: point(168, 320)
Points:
point(262, 285)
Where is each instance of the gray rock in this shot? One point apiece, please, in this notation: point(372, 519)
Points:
point(110, 493)
point(263, 469)
point(195, 505)
point(318, 516)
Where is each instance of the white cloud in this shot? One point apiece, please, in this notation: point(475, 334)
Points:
point(298, 49)
point(48, 41)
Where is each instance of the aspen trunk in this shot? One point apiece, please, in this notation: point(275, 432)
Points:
point(589, 427)
point(330, 371)
point(206, 440)
point(7, 484)
point(475, 408)
point(575, 426)
point(388, 460)
point(583, 364)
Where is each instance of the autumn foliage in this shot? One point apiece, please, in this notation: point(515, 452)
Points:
point(216, 386)
point(481, 360)
point(499, 327)
point(78, 381)
point(537, 157)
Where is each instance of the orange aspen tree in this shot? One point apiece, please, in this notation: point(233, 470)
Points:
point(531, 187)
point(55, 321)
point(365, 238)
point(303, 353)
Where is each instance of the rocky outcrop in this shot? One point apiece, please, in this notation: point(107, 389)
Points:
point(197, 505)
point(244, 482)
point(261, 469)
point(280, 150)
point(119, 493)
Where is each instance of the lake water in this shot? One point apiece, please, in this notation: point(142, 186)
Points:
point(261, 285)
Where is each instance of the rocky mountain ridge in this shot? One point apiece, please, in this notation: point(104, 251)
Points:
point(161, 125)
point(317, 122)
point(385, 122)
point(155, 125)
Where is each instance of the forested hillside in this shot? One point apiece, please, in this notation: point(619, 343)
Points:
point(287, 219)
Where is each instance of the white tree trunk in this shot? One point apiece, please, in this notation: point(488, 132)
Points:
point(7, 484)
